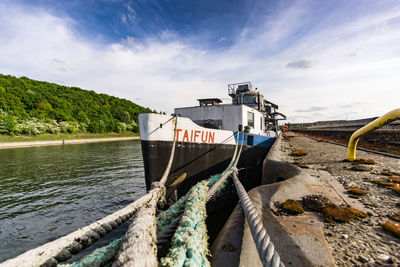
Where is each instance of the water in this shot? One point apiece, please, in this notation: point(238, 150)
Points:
point(47, 192)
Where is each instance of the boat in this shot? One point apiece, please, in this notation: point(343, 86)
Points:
point(206, 137)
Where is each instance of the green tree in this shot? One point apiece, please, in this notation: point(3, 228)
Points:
point(32, 104)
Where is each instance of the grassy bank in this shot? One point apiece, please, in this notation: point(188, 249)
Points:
point(49, 137)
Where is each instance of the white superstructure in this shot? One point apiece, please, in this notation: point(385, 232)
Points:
point(249, 110)
point(227, 117)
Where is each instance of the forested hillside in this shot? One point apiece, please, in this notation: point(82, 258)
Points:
point(33, 107)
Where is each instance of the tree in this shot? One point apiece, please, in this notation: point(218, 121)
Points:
point(31, 104)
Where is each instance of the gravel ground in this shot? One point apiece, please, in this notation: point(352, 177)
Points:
point(362, 242)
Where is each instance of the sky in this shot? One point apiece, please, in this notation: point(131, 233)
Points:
point(318, 60)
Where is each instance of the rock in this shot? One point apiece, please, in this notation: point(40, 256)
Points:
point(385, 258)
point(351, 184)
point(315, 202)
point(345, 236)
point(362, 259)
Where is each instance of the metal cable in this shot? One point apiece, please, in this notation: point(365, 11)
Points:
point(265, 248)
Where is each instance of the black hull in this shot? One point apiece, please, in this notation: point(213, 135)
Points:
point(200, 161)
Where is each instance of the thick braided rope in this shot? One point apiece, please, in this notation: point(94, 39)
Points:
point(100, 257)
point(265, 248)
point(168, 220)
point(139, 247)
point(189, 244)
point(61, 249)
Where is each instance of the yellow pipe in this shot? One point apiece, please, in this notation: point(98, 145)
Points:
point(373, 125)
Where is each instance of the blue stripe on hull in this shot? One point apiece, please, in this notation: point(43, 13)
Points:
point(255, 140)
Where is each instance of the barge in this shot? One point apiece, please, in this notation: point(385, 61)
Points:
point(206, 136)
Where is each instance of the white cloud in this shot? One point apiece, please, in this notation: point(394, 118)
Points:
point(300, 64)
point(130, 16)
point(358, 62)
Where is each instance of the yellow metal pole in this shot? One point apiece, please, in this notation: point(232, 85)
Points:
point(373, 125)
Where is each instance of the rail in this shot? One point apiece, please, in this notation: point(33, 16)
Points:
point(376, 124)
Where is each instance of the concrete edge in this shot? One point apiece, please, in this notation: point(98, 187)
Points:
point(298, 239)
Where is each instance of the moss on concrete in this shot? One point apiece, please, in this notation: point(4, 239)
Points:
point(334, 213)
point(356, 191)
point(291, 206)
point(392, 227)
point(381, 182)
point(298, 153)
point(364, 161)
point(390, 173)
point(301, 165)
point(394, 179)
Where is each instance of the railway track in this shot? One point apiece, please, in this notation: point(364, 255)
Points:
point(382, 140)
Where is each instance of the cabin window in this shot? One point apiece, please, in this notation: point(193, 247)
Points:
point(250, 119)
point(261, 123)
point(249, 99)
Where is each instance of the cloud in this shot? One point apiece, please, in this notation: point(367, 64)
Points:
point(300, 64)
point(352, 104)
point(311, 109)
point(130, 16)
point(222, 39)
point(167, 71)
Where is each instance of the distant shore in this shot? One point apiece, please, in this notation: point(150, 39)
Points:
point(67, 141)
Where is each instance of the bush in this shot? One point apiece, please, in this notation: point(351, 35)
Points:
point(69, 127)
point(31, 127)
point(120, 127)
point(7, 124)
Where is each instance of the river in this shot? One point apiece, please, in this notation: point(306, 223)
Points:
point(47, 192)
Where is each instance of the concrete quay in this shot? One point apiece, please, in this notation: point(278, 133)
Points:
point(309, 239)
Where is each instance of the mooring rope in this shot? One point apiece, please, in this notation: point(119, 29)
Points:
point(99, 257)
point(264, 245)
point(189, 245)
point(185, 220)
point(61, 249)
point(163, 179)
point(168, 220)
point(228, 171)
point(139, 246)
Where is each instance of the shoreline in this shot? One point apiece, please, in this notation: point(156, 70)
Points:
point(9, 145)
